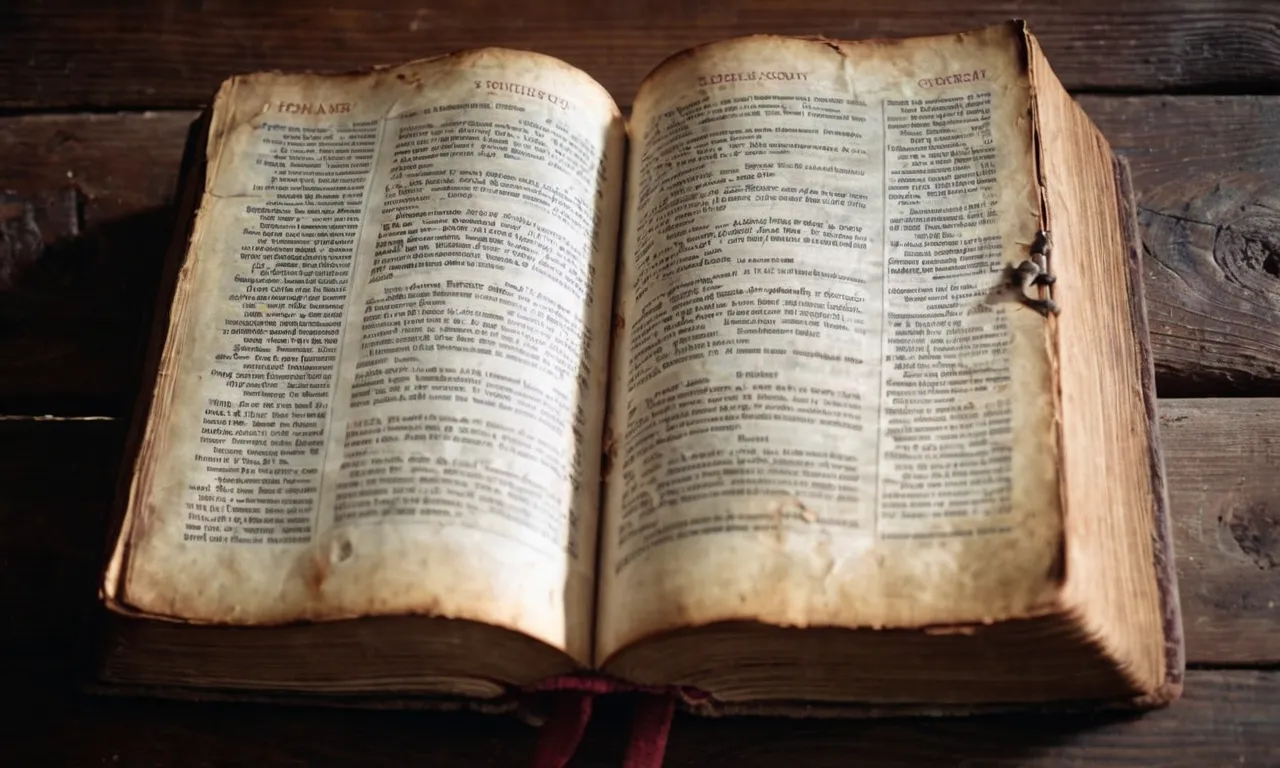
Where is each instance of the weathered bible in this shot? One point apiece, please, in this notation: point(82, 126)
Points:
point(818, 386)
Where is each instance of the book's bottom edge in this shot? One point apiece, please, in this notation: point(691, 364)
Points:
point(533, 706)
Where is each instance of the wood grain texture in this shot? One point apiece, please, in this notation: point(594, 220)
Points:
point(1223, 461)
point(1207, 171)
point(1173, 139)
point(173, 54)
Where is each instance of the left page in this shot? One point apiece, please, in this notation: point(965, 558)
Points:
point(382, 388)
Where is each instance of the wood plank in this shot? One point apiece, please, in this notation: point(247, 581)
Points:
point(173, 54)
point(84, 220)
point(1224, 489)
point(1171, 139)
point(1226, 718)
point(1207, 173)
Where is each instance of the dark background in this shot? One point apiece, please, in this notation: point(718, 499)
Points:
point(94, 108)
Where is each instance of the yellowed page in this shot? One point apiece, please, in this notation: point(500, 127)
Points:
point(818, 418)
point(383, 387)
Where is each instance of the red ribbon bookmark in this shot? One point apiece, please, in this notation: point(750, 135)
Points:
point(574, 698)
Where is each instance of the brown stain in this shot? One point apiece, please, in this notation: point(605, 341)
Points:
point(833, 45)
point(316, 567)
point(1256, 531)
point(315, 576)
point(822, 550)
point(670, 61)
point(619, 322)
point(410, 78)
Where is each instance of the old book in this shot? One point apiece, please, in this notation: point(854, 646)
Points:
point(820, 386)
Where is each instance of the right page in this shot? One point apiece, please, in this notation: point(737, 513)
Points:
point(819, 414)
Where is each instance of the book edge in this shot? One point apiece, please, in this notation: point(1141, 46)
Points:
point(1164, 564)
point(1162, 535)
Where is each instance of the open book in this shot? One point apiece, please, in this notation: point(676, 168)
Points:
point(822, 381)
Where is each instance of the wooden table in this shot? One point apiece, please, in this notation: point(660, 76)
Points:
point(93, 111)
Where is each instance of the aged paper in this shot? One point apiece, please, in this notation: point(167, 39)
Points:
point(383, 388)
point(817, 417)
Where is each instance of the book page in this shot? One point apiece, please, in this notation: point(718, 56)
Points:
point(383, 386)
point(818, 417)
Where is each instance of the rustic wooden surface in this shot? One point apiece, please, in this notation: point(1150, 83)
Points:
point(1188, 91)
point(173, 54)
